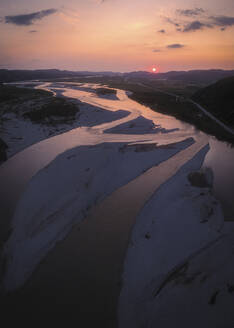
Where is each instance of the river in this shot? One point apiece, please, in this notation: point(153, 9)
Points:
point(81, 276)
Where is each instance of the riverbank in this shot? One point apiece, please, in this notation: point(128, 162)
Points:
point(184, 110)
point(180, 252)
point(161, 98)
point(31, 116)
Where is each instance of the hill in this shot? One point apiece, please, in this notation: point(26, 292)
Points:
point(193, 76)
point(218, 98)
point(40, 74)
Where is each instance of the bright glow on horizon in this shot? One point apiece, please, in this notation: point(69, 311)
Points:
point(154, 69)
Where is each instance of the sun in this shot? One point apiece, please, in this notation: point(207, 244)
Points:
point(154, 69)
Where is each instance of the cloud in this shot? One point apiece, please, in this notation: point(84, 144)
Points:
point(175, 46)
point(162, 31)
point(33, 31)
point(190, 12)
point(223, 21)
point(156, 50)
point(191, 21)
point(195, 25)
point(29, 19)
point(99, 2)
point(214, 21)
point(169, 20)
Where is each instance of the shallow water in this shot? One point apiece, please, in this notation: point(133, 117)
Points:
point(80, 279)
point(220, 159)
point(17, 171)
point(20, 168)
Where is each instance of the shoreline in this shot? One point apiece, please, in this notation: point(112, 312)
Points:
point(25, 133)
point(18, 140)
point(194, 117)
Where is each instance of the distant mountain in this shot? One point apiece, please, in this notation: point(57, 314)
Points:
point(23, 75)
point(195, 76)
point(218, 98)
point(140, 74)
point(20, 75)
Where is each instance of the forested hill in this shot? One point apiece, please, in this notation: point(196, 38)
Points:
point(218, 98)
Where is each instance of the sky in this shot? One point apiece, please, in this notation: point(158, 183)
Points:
point(117, 35)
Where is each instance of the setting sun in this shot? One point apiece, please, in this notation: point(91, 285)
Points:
point(154, 69)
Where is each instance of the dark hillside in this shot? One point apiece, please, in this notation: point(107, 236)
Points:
point(218, 98)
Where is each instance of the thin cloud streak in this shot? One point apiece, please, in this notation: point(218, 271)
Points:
point(175, 46)
point(29, 19)
point(222, 20)
point(170, 21)
point(190, 12)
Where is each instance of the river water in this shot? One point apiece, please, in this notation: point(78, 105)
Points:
point(73, 279)
point(15, 173)
point(220, 157)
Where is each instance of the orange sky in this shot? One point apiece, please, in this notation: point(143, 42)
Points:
point(117, 35)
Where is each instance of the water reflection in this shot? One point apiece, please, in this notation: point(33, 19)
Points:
point(221, 159)
point(15, 173)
